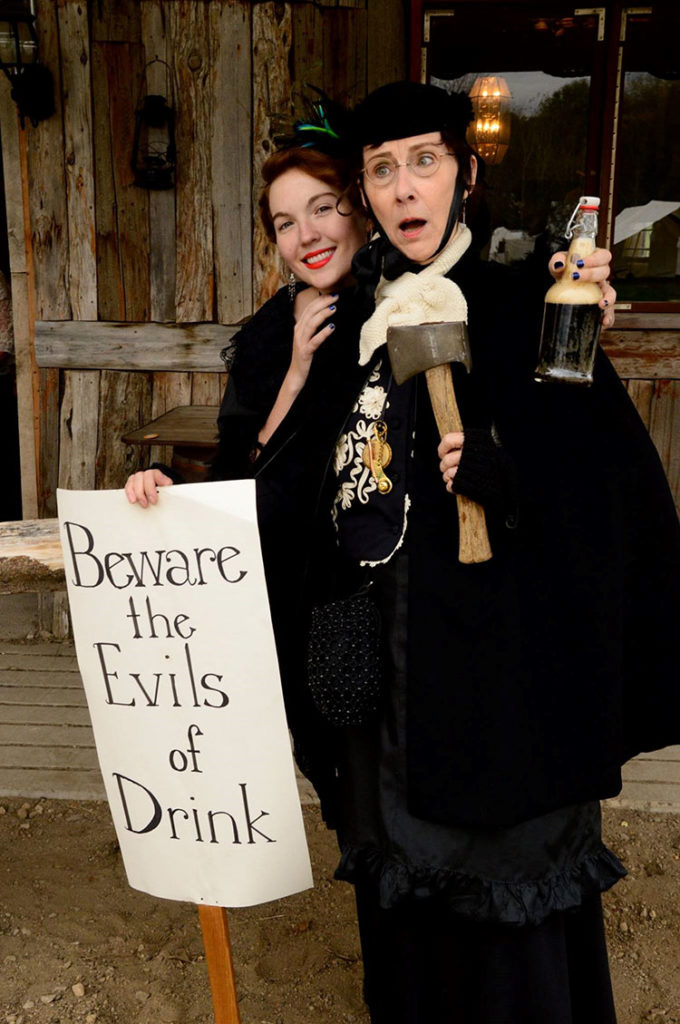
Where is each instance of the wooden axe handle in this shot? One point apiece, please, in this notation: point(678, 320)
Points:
point(473, 544)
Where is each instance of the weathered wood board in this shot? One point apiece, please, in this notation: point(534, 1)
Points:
point(140, 346)
point(122, 213)
point(272, 98)
point(231, 159)
point(187, 24)
point(162, 228)
point(74, 45)
point(21, 290)
point(79, 428)
point(645, 355)
point(47, 187)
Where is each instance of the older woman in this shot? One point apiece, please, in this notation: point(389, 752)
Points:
point(466, 795)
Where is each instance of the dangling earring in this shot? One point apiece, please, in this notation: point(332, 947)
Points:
point(463, 208)
point(291, 286)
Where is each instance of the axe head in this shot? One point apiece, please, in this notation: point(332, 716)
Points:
point(417, 347)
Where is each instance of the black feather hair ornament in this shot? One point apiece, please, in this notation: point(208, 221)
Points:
point(323, 126)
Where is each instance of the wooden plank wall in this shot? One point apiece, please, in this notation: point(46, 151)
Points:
point(645, 350)
point(21, 271)
point(658, 402)
point(107, 250)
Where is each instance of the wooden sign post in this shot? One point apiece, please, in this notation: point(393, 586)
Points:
point(215, 928)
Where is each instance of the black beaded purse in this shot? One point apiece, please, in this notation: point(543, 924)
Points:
point(344, 663)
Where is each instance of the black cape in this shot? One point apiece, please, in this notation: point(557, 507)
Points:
point(535, 676)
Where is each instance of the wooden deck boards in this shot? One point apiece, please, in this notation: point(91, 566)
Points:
point(47, 747)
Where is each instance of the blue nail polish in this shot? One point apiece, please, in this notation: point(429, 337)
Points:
point(558, 264)
point(331, 309)
point(575, 276)
point(331, 327)
point(580, 263)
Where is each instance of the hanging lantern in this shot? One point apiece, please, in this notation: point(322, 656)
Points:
point(490, 130)
point(153, 150)
point(32, 89)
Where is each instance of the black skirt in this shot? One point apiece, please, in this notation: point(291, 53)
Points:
point(456, 920)
point(426, 965)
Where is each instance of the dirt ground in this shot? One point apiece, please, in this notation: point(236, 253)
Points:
point(78, 946)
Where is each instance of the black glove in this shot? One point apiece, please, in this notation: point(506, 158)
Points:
point(486, 474)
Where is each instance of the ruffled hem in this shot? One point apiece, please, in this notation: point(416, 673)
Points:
point(482, 899)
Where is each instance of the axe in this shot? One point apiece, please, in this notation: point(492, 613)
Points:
point(430, 348)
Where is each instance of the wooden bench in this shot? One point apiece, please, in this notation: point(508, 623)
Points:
point(31, 559)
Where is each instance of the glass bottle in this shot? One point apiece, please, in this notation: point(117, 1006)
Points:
point(572, 316)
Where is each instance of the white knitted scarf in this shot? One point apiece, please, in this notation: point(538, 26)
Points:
point(424, 298)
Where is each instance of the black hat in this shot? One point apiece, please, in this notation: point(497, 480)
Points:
point(403, 109)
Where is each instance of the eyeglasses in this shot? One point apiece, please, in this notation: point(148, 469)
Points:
point(383, 170)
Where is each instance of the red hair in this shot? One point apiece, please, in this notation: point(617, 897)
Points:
point(331, 170)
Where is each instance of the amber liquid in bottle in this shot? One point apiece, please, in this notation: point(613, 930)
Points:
point(572, 316)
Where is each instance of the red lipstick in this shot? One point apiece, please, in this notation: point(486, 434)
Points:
point(319, 258)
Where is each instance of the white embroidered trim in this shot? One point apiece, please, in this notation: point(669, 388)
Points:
point(381, 561)
point(350, 447)
point(371, 403)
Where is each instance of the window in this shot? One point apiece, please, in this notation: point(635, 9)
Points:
point(587, 102)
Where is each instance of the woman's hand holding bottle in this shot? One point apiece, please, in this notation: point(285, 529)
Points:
point(597, 268)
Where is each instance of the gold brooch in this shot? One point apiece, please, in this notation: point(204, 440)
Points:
point(377, 454)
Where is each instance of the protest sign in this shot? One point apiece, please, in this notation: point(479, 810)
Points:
point(176, 651)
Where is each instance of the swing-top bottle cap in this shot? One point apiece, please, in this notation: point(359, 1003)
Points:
point(587, 204)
